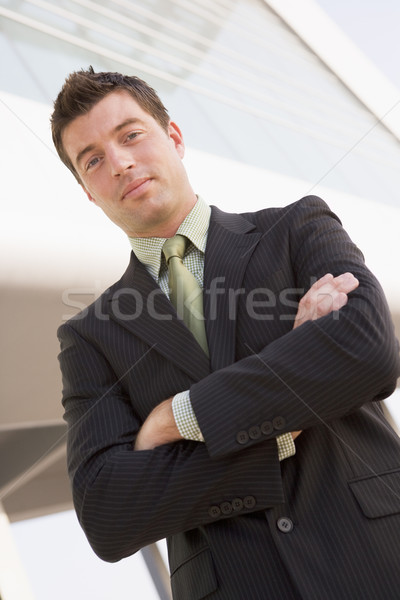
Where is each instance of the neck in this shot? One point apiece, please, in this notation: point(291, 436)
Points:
point(171, 226)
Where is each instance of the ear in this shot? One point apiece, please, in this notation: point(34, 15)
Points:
point(88, 194)
point(176, 136)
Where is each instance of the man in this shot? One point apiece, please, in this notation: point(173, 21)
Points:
point(186, 434)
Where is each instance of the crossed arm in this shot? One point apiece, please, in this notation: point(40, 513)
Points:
point(325, 295)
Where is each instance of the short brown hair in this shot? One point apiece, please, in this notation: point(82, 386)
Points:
point(83, 89)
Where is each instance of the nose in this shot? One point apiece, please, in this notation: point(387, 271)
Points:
point(120, 160)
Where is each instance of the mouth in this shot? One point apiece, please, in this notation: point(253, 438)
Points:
point(136, 187)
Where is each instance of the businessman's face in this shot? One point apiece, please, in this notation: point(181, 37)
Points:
point(130, 167)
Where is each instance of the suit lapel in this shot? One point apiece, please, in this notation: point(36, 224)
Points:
point(230, 245)
point(137, 303)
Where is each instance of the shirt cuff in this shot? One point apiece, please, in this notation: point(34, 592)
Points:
point(286, 447)
point(189, 429)
point(185, 418)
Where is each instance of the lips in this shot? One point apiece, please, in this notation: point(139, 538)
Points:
point(135, 187)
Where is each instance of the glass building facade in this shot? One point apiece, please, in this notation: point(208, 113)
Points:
point(241, 84)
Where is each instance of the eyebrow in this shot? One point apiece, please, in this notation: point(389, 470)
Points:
point(90, 147)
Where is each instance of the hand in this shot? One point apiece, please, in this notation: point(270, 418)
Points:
point(325, 295)
point(159, 428)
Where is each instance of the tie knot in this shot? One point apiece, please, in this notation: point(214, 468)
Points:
point(175, 246)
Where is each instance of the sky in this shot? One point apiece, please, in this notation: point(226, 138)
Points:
point(373, 26)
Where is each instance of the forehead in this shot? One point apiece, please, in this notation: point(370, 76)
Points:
point(102, 121)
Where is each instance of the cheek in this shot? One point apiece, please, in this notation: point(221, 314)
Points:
point(91, 194)
point(100, 189)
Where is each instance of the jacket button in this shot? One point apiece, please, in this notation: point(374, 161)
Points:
point(279, 423)
point(254, 432)
point(285, 524)
point(249, 502)
point(242, 437)
point(214, 511)
point(226, 508)
point(237, 504)
point(266, 428)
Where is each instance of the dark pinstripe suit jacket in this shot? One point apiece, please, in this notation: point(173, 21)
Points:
point(323, 524)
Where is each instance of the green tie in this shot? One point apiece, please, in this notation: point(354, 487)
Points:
point(185, 293)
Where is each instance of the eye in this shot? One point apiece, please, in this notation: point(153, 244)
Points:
point(92, 163)
point(132, 135)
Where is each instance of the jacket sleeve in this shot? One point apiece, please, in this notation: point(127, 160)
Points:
point(324, 369)
point(125, 499)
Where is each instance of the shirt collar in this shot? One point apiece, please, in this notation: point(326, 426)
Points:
point(194, 226)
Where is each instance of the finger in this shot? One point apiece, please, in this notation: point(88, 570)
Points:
point(326, 302)
point(339, 301)
point(346, 282)
point(327, 290)
point(321, 281)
